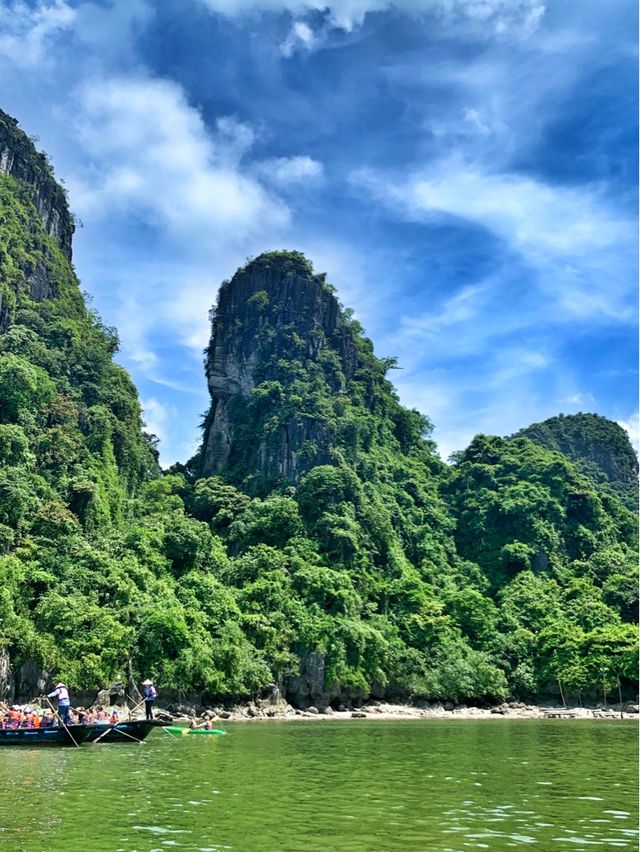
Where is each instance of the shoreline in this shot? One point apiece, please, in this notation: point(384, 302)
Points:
point(397, 712)
point(280, 711)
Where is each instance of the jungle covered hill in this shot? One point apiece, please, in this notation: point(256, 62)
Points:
point(316, 541)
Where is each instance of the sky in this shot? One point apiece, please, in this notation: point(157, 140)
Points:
point(465, 171)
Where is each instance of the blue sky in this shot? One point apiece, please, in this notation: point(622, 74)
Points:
point(464, 170)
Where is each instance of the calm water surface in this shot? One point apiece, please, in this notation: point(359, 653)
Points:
point(356, 786)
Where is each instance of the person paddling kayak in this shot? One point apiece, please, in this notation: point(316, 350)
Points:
point(150, 695)
point(62, 694)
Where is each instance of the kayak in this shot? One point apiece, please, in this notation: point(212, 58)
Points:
point(174, 729)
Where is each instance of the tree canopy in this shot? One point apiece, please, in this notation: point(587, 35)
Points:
point(511, 569)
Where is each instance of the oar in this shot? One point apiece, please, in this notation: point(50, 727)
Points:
point(136, 707)
point(620, 696)
point(115, 728)
point(173, 736)
point(62, 720)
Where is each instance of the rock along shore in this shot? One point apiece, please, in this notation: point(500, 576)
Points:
point(252, 712)
point(279, 710)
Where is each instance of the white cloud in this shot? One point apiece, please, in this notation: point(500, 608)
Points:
point(163, 421)
point(581, 399)
point(232, 139)
point(26, 29)
point(632, 426)
point(155, 416)
point(300, 36)
point(287, 171)
point(150, 154)
point(500, 16)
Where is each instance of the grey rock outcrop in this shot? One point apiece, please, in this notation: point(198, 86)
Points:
point(40, 286)
point(112, 696)
point(266, 304)
point(19, 159)
point(309, 689)
point(7, 685)
point(31, 679)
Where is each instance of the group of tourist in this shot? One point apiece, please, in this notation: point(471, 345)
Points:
point(28, 716)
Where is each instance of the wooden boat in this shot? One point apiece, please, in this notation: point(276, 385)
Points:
point(36, 737)
point(122, 732)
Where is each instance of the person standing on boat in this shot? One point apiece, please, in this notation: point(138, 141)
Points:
point(62, 694)
point(150, 695)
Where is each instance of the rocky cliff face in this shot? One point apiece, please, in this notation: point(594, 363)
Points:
point(19, 159)
point(273, 320)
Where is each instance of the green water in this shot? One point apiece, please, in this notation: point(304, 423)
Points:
point(357, 786)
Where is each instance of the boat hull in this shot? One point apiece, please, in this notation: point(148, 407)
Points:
point(123, 732)
point(36, 737)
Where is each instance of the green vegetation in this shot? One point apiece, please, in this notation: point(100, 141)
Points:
point(508, 571)
point(599, 448)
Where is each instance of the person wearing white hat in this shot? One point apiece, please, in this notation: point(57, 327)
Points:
point(62, 694)
point(150, 695)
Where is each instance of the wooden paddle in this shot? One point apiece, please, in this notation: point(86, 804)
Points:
point(62, 721)
point(112, 728)
point(136, 707)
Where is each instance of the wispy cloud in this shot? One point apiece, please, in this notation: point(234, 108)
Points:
point(284, 172)
point(568, 235)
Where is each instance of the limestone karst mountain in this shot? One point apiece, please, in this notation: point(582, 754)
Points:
point(294, 383)
point(272, 319)
point(316, 541)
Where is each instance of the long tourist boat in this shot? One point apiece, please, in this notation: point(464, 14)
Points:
point(32, 737)
point(121, 732)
